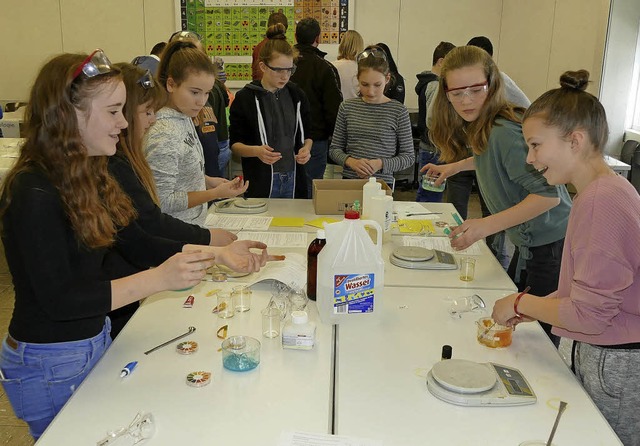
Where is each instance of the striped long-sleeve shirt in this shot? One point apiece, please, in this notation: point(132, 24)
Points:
point(371, 131)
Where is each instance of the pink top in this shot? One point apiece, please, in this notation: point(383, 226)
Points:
point(600, 270)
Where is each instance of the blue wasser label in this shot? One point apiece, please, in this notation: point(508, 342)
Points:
point(353, 293)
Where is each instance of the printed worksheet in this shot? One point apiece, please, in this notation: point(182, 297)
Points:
point(276, 239)
point(238, 222)
point(313, 439)
point(441, 244)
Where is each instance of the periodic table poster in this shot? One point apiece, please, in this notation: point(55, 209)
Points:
point(232, 28)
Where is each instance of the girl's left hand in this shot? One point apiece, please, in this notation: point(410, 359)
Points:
point(469, 232)
point(303, 156)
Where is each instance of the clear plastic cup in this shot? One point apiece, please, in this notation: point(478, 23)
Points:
point(225, 305)
point(241, 298)
point(270, 322)
point(467, 268)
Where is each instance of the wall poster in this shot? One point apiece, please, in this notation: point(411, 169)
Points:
point(232, 28)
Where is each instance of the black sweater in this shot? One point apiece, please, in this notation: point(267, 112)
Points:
point(62, 288)
point(244, 128)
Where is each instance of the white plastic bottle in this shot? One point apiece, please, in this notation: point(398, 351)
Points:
point(350, 271)
point(381, 212)
point(299, 333)
point(369, 189)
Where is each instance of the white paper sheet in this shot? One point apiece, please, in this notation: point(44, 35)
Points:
point(291, 271)
point(406, 210)
point(313, 439)
point(276, 239)
point(237, 223)
point(441, 244)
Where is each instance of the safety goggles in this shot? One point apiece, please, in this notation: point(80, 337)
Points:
point(140, 429)
point(95, 64)
point(473, 91)
point(185, 35)
point(375, 52)
point(279, 70)
point(146, 81)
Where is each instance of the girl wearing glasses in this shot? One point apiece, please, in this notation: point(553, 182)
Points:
point(470, 110)
point(268, 121)
point(372, 136)
point(597, 302)
point(172, 146)
point(60, 211)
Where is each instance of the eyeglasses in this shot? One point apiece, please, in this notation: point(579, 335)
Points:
point(473, 91)
point(146, 81)
point(141, 428)
point(279, 70)
point(95, 64)
point(184, 35)
point(375, 52)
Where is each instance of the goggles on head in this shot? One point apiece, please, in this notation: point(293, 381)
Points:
point(375, 52)
point(147, 81)
point(185, 35)
point(95, 64)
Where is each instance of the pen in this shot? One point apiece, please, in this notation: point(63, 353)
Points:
point(127, 369)
point(457, 218)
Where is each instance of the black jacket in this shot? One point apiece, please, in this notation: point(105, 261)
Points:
point(244, 127)
point(424, 78)
point(320, 81)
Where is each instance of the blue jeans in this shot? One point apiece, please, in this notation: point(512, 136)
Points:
point(282, 185)
point(40, 378)
point(224, 156)
point(425, 157)
point(317, 164)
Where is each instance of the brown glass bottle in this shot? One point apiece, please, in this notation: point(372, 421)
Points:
point(312, 263)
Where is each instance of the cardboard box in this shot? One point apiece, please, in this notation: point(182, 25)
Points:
point(334, 196)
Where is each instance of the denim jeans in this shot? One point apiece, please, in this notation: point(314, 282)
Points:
point(425, 157)
point(317, 164)
point(541, 273)
point(40, 378)
point(224, 156)
point(282, 185)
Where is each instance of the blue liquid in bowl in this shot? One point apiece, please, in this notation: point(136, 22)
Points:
point(239, 363)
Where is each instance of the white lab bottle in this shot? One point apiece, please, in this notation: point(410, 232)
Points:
point(369, 189)
point(350, 272)
point(299, 333)
point(381, 212)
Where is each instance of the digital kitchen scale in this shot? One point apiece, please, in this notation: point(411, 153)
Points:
point(241, 206)
point(416, 257)
point(468, 383)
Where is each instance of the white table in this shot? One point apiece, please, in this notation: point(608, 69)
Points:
point(489, 273)
point(289, 390)
point(382, 393)
point(618, 166)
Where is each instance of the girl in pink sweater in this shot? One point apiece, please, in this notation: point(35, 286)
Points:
point(597, 303)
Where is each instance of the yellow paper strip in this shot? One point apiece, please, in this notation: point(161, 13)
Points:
point(319, 222)
point(293, 222)
point(416, 226)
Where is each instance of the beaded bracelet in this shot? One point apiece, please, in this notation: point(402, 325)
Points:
point(517, 301)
